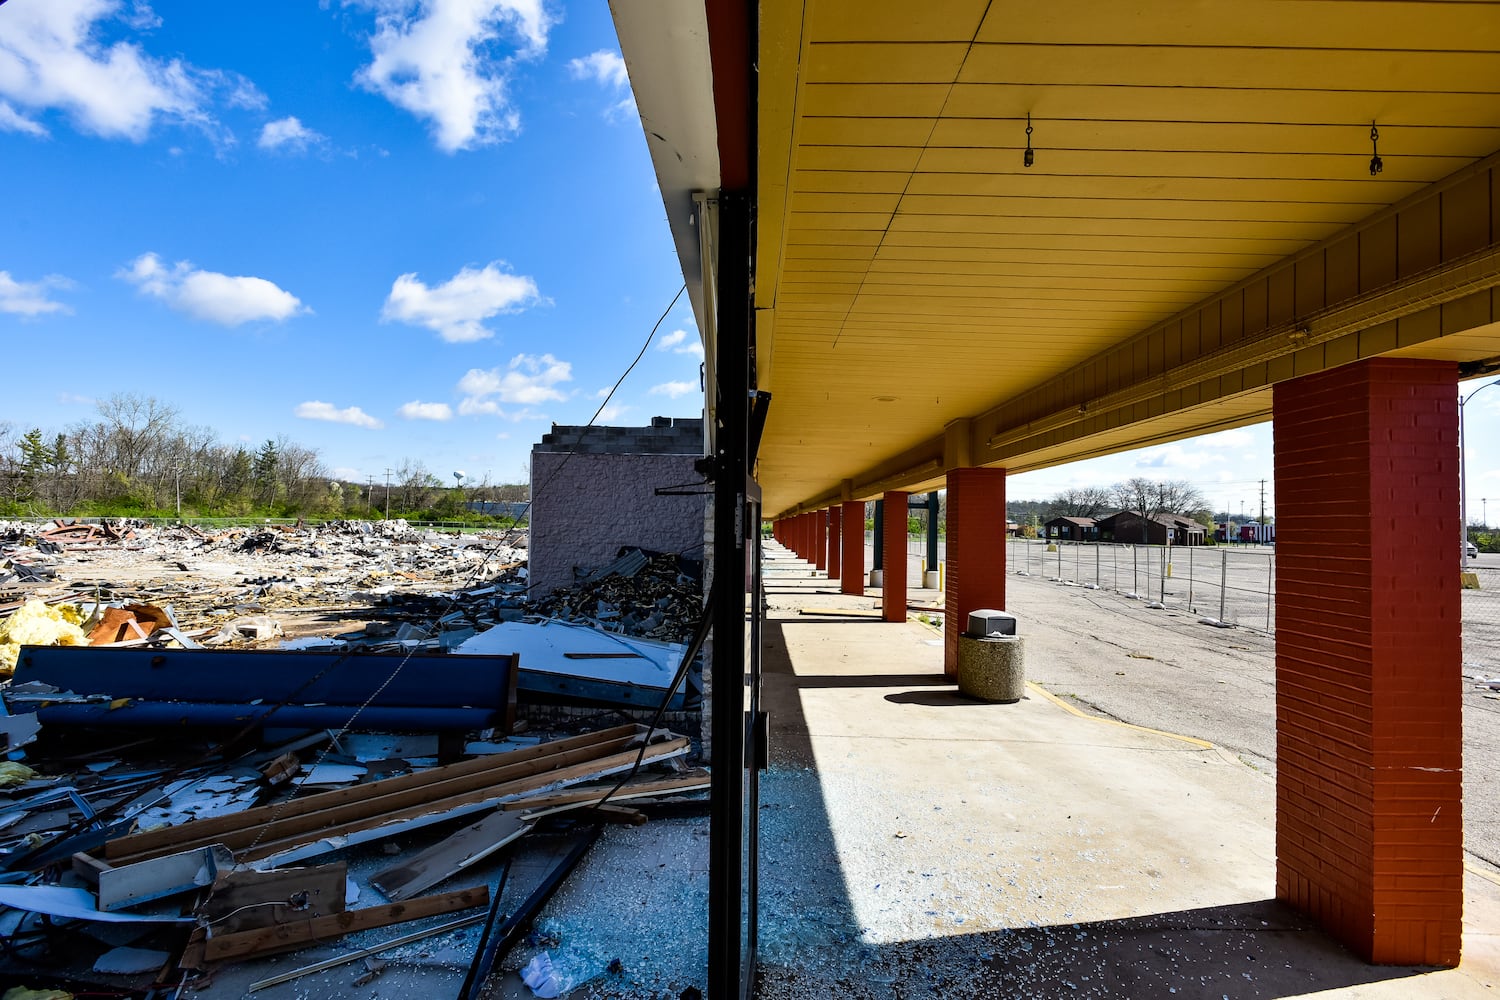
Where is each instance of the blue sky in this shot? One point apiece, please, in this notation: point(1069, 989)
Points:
point(383, 229)
point(388, 229)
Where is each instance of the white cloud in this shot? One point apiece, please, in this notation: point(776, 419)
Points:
point(613, 412)
point(426, 411)
point(208, 295)
point(607, 69)
point(437, 60)
point(603, 66)
point(53, 58)
point(73, 399)
point(289, 135)
point(318, 410)
point(30, 298)
point(681, 342)
point(12, 120)
point(456, 308)
point(604, 393)
point(528, 379)
point(672, 390)
point(347, 473)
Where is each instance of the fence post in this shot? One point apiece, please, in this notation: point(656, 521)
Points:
point(1270, 586)
point(1097, 581)
point(1059, 558)
point(1223, 580)
point(1190, 579)
point(1135, 570)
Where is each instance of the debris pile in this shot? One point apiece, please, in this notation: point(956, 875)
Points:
point(210, 863)
point(138, 861)
point(652, 595)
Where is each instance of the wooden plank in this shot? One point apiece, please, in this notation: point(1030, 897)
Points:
point(437, 811)
point(291, 936)
point(691, 781)
point(246, 900)
point(279, 836)
point(425, 869)
point(489, 768)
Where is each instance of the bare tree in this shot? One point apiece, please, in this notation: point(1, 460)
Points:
point(1150, 497)
point(1081, 501)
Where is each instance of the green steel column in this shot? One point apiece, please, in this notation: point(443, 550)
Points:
point(932, 532)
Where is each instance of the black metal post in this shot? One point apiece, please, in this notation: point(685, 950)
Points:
point(727, 952)
point(879, 535)
point(932, 533)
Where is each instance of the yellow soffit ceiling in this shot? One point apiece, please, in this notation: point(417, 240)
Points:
point(912, 270)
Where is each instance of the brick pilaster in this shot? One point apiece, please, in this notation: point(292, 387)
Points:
point(1369, 831)
point(893, 595)
point(853, 533)
point(974, 571)
point(820, 539)
point(835, 542)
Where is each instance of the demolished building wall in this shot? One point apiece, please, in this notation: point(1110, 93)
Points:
point(594, 491)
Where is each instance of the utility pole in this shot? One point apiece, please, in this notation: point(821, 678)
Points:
point(387, 494)
point(1263, 503)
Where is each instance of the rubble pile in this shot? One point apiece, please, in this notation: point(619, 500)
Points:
point(201, 775)
point(650, 595)
point(210, 862)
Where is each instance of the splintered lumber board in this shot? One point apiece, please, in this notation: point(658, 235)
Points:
point(448, 857)
point(291, 936)
point(693, 780)
point(411, 800)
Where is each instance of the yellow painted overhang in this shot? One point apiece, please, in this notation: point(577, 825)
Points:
point(1200, 173)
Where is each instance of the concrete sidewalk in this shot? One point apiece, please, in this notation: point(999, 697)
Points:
point(917, 843)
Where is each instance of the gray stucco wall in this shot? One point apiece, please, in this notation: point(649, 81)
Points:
point(584, 508)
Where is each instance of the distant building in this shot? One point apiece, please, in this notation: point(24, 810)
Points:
point(1254, 531)
point(595, 490)
point(1130, 526)
point(1073, 529)
point(498, 508)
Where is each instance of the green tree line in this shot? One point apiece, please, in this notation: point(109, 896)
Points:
point(137, 458)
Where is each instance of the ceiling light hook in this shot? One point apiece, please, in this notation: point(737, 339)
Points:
point(1376, 163)
point(1030, 157)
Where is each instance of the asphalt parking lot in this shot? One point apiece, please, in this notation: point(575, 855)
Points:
point(1163, 669)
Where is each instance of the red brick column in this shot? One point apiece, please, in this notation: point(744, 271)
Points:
point(893, 595)
point(974, 571)
point(800, 525)
point(1369, 752)
point(820, 539)
point(852, 566)
point(835, 542)
point(804, 543)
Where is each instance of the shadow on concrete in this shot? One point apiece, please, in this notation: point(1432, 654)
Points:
point(813, 942)
point(871, 680)
point(937, 699)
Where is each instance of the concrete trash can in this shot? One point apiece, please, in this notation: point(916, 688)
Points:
point(992, 658)
point(992, 668)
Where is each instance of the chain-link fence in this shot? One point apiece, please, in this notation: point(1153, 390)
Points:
point(1232, 584)
point(1229, 584)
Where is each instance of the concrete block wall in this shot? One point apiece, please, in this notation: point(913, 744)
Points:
point(1369, 833)
point(588, 504)
point(665, 436)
